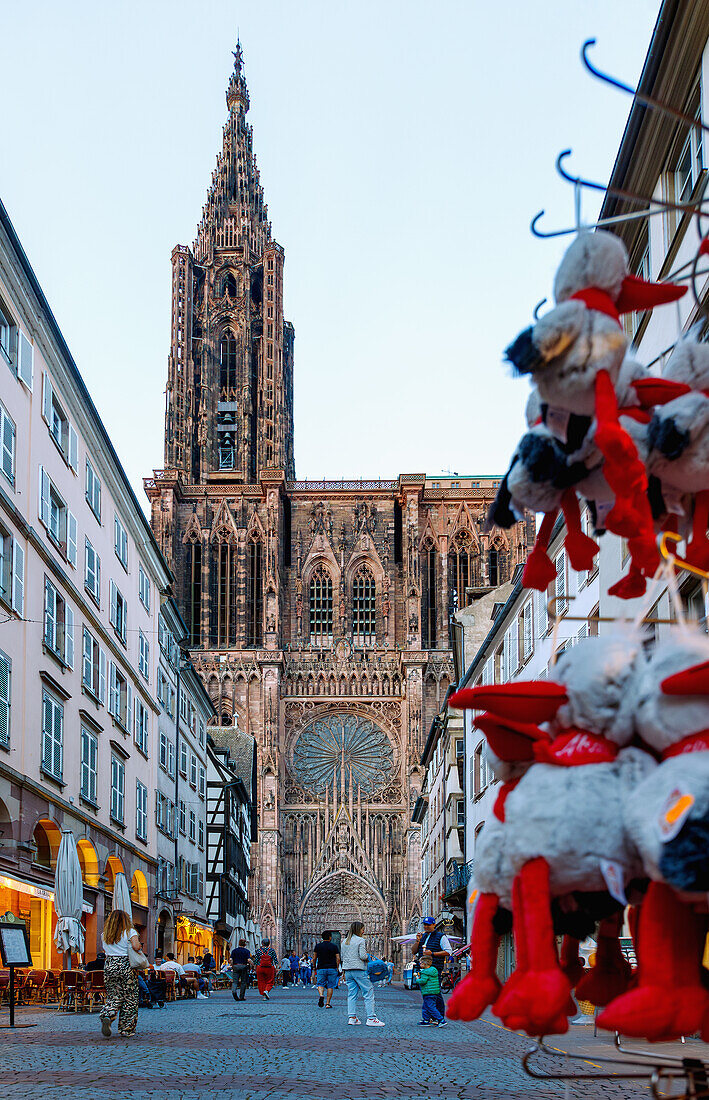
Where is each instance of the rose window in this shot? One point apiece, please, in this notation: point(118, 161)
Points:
point(343, 743)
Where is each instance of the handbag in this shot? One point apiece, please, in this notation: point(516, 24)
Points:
point(136, 959)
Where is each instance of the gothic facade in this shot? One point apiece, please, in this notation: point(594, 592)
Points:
point(318, 612)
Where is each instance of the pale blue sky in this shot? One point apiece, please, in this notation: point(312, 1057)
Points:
point(403, 147)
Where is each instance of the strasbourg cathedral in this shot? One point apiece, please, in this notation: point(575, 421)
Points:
point(318, 611)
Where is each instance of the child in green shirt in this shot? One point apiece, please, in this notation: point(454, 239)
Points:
point(429, 983)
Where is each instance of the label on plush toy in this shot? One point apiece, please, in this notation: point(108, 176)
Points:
point(612, 872)
point(673, 813)
point(557, 421)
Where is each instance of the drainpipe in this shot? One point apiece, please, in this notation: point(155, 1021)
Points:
point(445, 810)
point(176, 824)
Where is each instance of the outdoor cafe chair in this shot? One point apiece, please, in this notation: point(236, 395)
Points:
point(171, 992)
point(73, 985)
point(35, 986)
point(95, 988)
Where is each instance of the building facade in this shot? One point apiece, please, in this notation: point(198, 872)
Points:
point(181, 794)
point(318, 612)
point(81, 578)
point(232, 829)
point(667, 160)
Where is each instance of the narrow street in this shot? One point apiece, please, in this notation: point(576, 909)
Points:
point(285, 1048)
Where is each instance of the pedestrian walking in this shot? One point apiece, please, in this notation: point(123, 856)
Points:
point(121, 981)
point(305, 970)
point(326, 962)
point(266, 961)
point(433, 940)
point(240, 963)
point(285, 970)
point(354, 965)
point(429, 983)
point(294, 968)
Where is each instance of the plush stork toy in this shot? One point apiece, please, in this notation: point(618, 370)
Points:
point(574, 356)
point(678, 438)
point(668, 822)
point(546, 476)
point(564, 828)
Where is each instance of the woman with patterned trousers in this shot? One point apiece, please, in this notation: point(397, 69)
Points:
point(121, 981)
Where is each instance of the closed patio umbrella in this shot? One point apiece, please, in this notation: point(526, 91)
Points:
point(68, 898)
point(121, 894)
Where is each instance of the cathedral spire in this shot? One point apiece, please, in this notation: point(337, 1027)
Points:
point(237, 94)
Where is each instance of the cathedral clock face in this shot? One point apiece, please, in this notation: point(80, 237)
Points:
point(340, 742)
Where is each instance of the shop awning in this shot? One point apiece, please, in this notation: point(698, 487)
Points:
point(24, 886)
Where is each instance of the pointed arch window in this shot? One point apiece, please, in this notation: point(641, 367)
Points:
point(254, 593)
point(496, 565)
point(462, 561)
point(227, 367)
point(429, 593)
point(229, 288)
point(225, 566)
point(194, 592)
point(364, 594)
point(320, 606)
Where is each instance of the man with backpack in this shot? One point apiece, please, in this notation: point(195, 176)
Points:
point(434, 941)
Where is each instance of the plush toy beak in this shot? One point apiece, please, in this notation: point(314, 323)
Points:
point(637, 293)
point(691, 681)
point(519, 701)
point(658, 391)
point(510, 741)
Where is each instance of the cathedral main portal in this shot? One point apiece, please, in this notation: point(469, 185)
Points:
point(338, 901)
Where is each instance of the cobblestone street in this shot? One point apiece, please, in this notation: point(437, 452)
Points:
point(285, 1048)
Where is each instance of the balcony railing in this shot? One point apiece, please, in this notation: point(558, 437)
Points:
point(459, 878)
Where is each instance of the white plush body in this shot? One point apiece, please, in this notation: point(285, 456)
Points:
point(662, 721)
point(576, 343)
point(679, 443)
point(567, 347)
point(649, 802)
point(575, 817)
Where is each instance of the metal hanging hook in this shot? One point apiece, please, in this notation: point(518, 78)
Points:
point(542, 1048)
point(642, 97)
point(621, 193)
point(617, 219)
point(535, 311)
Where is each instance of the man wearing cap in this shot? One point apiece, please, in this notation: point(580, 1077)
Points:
point(433, 940)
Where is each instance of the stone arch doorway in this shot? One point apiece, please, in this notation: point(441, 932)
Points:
point(336, 902)
point(166, 932)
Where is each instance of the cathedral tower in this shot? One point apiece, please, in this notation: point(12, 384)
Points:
point(230, 368)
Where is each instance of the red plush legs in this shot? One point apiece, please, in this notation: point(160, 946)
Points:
point(571, 962)
point(698, 546)
point(540, 570)
point(580, 547)
point(669, 999)
point(630, 516)
point(611, 971)
point(537, 1002)
point(481, 986)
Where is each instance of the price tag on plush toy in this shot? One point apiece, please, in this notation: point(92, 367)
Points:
point(612, 872)
point(676, 807)
point(557, 422)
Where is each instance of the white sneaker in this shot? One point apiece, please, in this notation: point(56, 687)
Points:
point(374, 1022)
point(202, 997)
point(354, 1020)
